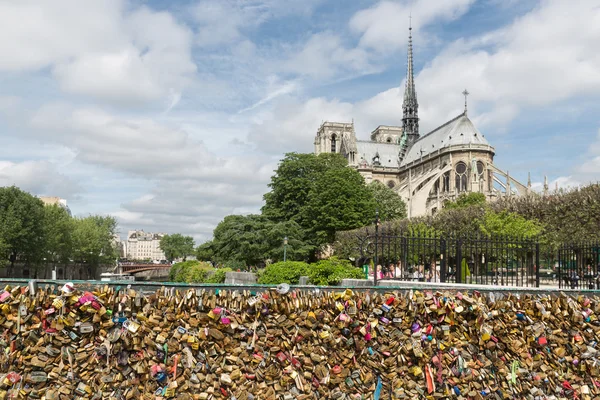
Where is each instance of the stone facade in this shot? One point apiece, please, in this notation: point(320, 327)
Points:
point(144, 246)
point(52, 201)
point(426, 171)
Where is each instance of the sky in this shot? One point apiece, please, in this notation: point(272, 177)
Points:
point(170, 115)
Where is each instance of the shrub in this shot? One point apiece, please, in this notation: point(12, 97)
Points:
point(331, 272)
point(283, 272)
point(218, 276)
point(190, 272)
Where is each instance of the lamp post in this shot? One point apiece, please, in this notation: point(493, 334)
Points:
point(285, 242)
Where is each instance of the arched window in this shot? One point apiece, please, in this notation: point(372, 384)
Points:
point(333, 143)
point(480, 169)
point(461, 176)
point(391, 184)
point(446, 182)
point(389, 140)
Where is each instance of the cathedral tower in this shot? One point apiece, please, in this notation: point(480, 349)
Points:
point(410, 106)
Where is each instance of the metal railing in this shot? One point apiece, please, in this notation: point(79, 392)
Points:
point(428, 257)
point(578, 266)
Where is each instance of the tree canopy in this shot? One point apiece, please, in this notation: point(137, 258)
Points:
point(254, 239)
point(93, 239)
point(467, 200)
point(506, 223)
point(177, 246)
point(310, 198)
point(33, 234)
point(58, 234)
point(293, 182)
point(390, 205)
point(338, 201)
point(21, 226)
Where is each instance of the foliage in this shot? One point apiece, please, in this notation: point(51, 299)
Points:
point(191, 271)
point(205, 252)
point(93, 239)
point(463, 221)
point(236, 265)
point(21, 226)
point(58, 234)
point(218, 276)
point(35, 234)
point(505, 223)
point(177, 246)
point(331, 271)
point(283, 272)
point(253, 239)
point(339, 201)
point(389, 204)
point(293, 181)
point(467, 200)
point(566, 215)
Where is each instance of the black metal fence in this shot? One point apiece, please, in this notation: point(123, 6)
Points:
point(578, 266)
point(425, 257)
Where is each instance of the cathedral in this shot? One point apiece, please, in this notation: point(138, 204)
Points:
point(425, 170)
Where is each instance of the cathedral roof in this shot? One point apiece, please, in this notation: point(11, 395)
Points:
point(457, 131)
point(388, 152)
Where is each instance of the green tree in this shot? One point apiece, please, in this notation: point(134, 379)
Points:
point(389, 203)
point(177, 246)
point(340, 200)
point(293, 181)
point(205, 252)
point(505, 223)
point(254, 239)
point(467, 200)
point(58, 235)
point(21, 227)
point(239, 238)
point(93, 241)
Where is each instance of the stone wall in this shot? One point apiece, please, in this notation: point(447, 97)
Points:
point(240, 278)
point(192, 343)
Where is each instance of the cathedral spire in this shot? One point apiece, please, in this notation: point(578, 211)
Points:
point(410, 94)
point(410, 106)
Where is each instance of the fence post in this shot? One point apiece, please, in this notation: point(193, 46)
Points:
point(537, 264)
point(459, 261)
point(443, 260)
point(375, 261)
point(560, 267)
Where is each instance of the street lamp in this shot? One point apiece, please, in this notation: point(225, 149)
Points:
point(285, 242)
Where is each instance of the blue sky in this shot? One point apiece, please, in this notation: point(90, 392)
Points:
point(172, 114)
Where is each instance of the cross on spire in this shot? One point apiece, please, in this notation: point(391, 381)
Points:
point(466, 93)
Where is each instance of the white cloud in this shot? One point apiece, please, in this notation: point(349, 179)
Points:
point(193, 187)
point(384, 26)
point(544, 57)
point(292, 125)
point(590, 168)
point(273, 93)
point(37, 177)
point(104, 49)
point(222, 22)
point(324, 56)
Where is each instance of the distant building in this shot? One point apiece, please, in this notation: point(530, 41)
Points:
point(52, 201)
point(142, 245)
